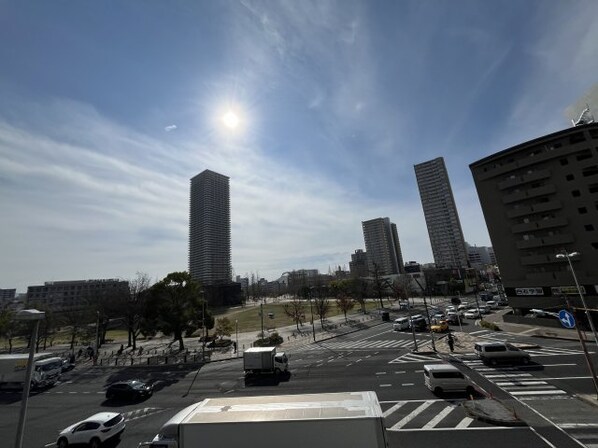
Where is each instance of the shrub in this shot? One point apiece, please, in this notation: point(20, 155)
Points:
point(273, 339)
point(489, 325)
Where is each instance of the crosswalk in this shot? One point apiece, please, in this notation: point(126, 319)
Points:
point(517, 382)
point(412, 415)
point(140, 413)
point(367, 344)
point(416, 357)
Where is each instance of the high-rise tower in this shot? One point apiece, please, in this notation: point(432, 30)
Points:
point(440, 211)
point(382, 246)
point(209, 229)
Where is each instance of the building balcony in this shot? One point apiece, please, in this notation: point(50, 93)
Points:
point(539, 225)
point(528, 194)
point(526, 178)
point(536, 208)
point(545, 241)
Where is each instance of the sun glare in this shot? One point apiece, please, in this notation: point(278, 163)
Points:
point(230, 119)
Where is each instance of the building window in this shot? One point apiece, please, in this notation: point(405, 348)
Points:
point(583, 155)
point(593, 188)
point(595, 245)
point(564, 162)
point(576, 138)
point(582, 210)
point(570, 177)
point(589, 228)
point(594, 133)
point(590, 171)
point(576, 193)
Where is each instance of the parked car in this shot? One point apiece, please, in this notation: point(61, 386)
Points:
point(503, 301)
point(492, 304)
point(495, 352)
point(471, 314)
point(450, 308)
point(129, 390)
point(440, 326)
point(92, 431)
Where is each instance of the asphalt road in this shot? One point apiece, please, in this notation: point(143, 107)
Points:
point(373, 359)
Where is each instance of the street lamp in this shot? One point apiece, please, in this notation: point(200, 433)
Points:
point(568, 256)
point(36, 316)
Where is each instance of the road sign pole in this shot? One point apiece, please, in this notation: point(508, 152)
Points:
point(586, 354)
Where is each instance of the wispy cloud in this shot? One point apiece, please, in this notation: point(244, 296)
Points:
point(171, 127)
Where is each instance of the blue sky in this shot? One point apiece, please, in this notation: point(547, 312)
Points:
point(109, 108)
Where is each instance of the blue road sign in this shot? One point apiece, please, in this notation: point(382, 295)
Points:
point(567, 319)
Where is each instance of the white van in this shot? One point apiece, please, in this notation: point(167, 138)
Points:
point(440, 378)
point(401, 324)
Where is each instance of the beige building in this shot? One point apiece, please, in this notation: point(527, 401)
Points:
point(540, 198)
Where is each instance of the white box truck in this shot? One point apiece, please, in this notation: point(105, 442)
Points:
point(46, 370)
point(264, 360)
point(346, 419)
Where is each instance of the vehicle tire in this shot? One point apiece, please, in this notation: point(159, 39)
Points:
point(438, 391)
point(110, 396)
point(277, 371)
point(493, 362)
point(95, 443)
point(525, 360)
point(469, 390)
point(62, 443)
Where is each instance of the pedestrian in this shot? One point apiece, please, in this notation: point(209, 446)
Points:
point(451, 342)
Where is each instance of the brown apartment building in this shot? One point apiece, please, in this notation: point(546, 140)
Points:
point(540, 198)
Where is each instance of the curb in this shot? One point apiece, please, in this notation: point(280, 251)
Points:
point(473, 409)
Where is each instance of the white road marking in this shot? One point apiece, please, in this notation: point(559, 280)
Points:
point(422, 407)
point(464, 423)
point(538, 392)
point(558, 365)
point(520, 383)
point(393, 408)
point(446, 411)
point(579, 425)
point(380, 373)
point(385, 385)
point(398, 372)
point(408, 384)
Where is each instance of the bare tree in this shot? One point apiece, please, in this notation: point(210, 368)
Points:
point(295, 309)
point(322, 308)
point(380, 285)
point(8, 325)
point(135, 304)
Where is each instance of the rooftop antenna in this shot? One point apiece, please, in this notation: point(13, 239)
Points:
point(585, 117)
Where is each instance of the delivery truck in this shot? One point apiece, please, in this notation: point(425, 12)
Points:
point(264, 360)
point(46, 370)
point(345, 419)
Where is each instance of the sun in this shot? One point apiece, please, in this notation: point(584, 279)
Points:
point(230, 119)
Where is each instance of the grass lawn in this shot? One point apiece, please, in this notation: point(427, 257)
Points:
point(248, 317)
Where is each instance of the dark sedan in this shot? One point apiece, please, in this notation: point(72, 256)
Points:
point(129, 390)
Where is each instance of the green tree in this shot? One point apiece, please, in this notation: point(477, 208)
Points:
point(224, 327)
point(8, 325)
point(173, 304)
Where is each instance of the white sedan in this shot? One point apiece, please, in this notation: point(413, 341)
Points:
point(471, 314)
point(92, 431)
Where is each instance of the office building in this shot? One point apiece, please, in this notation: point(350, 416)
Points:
point(210, 229)
point(480, 256)
point(382, 246)
point(440, 212)
point(74, 295)
point(359, 264)
point(540, 198)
